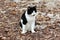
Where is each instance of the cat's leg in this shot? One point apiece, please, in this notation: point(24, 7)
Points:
point(24, 29)
point(28, 27)
point(33, 27)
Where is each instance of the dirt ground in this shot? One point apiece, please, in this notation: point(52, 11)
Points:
point(47, 25)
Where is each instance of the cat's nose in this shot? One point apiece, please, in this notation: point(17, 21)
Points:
point(34, 15)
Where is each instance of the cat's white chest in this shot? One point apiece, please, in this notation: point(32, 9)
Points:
point(30, 18)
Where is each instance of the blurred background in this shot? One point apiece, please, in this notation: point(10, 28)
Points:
point(47, 22)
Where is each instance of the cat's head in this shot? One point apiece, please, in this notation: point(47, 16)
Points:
point(31, 10)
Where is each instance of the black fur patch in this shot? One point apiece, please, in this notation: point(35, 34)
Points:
point(20, 24)
point(24, 19)
point(31, 9)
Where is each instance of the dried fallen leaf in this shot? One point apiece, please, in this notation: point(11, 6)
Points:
point(13, 4)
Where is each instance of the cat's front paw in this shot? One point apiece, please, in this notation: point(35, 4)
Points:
point(23, 32)
point(33, 31)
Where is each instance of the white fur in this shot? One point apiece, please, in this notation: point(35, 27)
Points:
point(16, 1)
point(30, 26)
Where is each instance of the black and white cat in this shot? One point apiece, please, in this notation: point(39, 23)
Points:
point(27, 22)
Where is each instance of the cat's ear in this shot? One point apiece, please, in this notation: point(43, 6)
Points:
point(29, 7)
